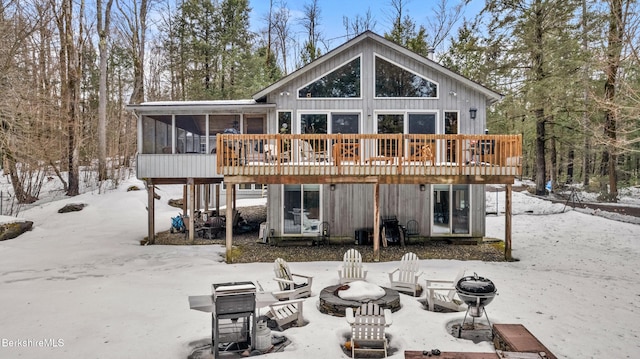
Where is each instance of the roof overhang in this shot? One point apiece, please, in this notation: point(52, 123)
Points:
point(199, 107)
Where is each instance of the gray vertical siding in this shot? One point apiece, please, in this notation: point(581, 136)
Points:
point(350, 206)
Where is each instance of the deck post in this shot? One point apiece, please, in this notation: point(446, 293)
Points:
point(207, 197)
point(507, 224)
point(191, 195)
point(151, 237)
point(217, 188)
point(231, 189)
point(185, 200)
point(376, 222)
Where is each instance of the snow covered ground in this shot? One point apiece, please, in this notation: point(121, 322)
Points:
point(79, 285)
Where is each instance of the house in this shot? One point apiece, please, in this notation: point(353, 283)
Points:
point(366, 132)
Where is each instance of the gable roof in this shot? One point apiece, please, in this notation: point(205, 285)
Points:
point(490, 95)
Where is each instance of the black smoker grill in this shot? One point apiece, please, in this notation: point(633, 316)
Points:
point(476, 292)
point(233, 317)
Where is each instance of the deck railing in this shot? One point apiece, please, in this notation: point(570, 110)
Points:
point(368, 155)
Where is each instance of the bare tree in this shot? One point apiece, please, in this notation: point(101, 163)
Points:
point(134, 28)
point(104, 27)
point(71, 35)
point(359, 24)
point(310, 22)
point(445, 17)
point(282, 32)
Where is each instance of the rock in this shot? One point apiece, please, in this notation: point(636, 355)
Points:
point(13, 230)
point(72, 207)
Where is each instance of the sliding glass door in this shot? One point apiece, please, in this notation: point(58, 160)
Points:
point(301, 209)
point(450, 204)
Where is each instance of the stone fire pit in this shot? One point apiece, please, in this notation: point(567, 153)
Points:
point(331, 302)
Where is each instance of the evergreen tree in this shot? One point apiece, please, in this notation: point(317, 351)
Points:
point(404, 30)
point(538, 41)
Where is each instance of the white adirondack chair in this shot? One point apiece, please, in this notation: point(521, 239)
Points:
point(443, 293)
point(287, 312)
point(292, 285)
point(352, 267)
point(405, 277)
point(367, 328)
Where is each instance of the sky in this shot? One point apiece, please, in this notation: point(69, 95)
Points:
point(82, 284)
point(333, 11)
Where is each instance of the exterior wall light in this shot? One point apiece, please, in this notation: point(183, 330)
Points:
point(423, 188)
point(332, 187)
point(473, 112)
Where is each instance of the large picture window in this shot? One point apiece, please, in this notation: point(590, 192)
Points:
point(394, 81)
point(342, 82)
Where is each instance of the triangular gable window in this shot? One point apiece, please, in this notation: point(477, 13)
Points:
point(393, 81)
point(341, 82)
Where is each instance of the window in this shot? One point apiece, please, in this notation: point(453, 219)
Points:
point(422, 123)
point(344, 123)
point(342, 82)
point(313, 123)
point(284, 122)
point(394, 81)
point(387, 124)
point(450, 123)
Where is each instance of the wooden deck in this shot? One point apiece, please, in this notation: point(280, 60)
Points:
point(392, 158)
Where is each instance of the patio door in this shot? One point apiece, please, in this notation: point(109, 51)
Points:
point(450, 209)
point(301, 209)
point(451, 128)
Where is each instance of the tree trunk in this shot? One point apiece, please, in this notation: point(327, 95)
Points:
point(553, 156)
point(16, 182)
point(586, 165)
point(138, 28)
point(103, 38)
point(570, 166)
point(541, 169)
point(538, 76)
point(614, 49)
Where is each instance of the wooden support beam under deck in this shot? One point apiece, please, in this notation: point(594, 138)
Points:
point(507, 224)
point(376, 222)
point(151, 237)
point(231, 192)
